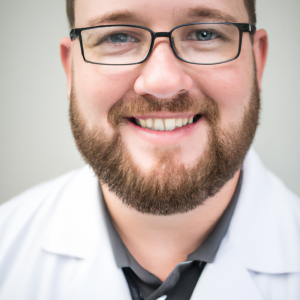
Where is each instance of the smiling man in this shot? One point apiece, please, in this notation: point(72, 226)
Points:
point(174, 204)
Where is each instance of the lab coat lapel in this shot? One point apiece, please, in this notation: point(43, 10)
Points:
point(265, 225)
point(256, 240)
point(226, 279)
point(78, 233)
point(99, 281)
point(99, 277)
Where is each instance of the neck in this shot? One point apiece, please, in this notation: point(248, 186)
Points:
point(159, 243)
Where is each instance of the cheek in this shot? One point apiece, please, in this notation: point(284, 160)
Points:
point(99, 87)
point(230, 85)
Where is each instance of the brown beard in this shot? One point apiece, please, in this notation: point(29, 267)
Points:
point(170, 187)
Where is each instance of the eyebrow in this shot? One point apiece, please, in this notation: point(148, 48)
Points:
point(192, 13)
point(121, 16)
point(212, 14)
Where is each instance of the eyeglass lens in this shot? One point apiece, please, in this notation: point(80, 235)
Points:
point(200, 43)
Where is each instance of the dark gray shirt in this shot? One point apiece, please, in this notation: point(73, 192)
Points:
point(181, 282)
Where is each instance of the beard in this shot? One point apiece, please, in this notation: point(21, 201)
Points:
point(170, 187)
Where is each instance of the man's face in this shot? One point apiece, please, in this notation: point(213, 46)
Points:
point(163, 172)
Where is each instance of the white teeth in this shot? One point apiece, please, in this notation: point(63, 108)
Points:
point(159, 124)
point(170, 124)
point(178, 122)
point(164, 124)
point(143, 123)
point(149, 123)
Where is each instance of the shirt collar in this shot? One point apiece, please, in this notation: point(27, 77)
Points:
point(205, 252)
point(122, 256)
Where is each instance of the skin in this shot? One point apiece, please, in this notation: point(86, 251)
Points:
point(159, 243)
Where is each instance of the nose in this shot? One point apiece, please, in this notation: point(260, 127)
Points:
point(163, 75)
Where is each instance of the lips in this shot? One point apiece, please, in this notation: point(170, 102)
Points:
point(165, 124)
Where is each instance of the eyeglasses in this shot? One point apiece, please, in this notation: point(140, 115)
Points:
point(195, 43)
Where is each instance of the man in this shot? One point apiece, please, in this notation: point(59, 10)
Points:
point(164, 105)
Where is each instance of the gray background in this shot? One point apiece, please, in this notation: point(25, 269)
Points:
point(36, 141)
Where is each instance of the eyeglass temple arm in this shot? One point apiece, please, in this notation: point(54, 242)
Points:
point(246, 27)
point(253, 29)
point(74, 34)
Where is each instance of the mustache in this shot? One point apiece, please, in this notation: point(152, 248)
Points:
point(131, 105)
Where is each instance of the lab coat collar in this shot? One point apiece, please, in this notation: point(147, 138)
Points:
point(78, 222)
point(265, 226)
point(263, 234)
point(226, 278)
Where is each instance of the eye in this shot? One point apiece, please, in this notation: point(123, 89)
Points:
point(203, 35)
point(121, 38)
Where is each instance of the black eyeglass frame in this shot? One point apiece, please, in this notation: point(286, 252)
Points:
point(242, 27)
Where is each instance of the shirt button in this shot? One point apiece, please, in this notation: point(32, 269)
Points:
point(162, 297)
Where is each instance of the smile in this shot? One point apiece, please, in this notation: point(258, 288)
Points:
point(166, 124)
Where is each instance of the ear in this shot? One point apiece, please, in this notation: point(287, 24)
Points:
point(260, 49)
point(66, 59)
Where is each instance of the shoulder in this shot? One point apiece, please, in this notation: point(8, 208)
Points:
point(31, 210)
point(269, 196)
point(284, 196)
point(29, 201)
point(267, 191)
point(25, 222)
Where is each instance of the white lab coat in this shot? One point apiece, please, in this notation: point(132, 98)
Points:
point(54, 244)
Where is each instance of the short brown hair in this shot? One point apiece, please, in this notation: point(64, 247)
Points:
point(250, 6)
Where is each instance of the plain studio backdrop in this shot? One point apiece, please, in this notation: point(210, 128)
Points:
point(36, 140)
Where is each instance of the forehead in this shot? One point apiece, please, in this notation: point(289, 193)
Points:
point(158, 13)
